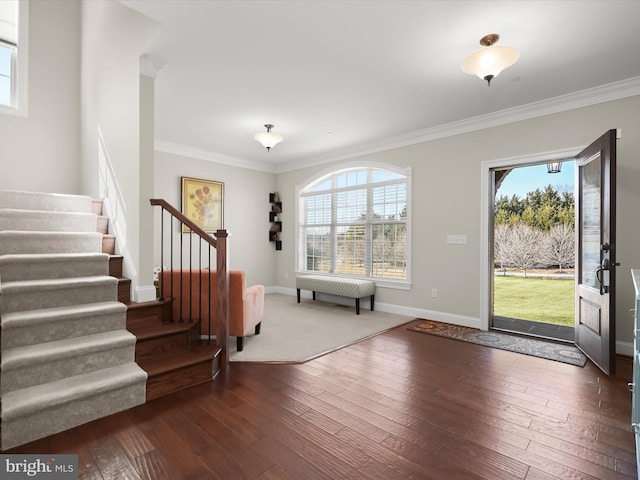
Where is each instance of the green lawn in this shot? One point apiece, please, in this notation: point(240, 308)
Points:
point(547, 300)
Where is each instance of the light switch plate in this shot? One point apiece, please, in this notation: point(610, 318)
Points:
point(457, 239)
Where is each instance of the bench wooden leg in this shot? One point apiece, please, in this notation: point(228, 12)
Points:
point(357, 306)
point(298, 295)
point(372, 297)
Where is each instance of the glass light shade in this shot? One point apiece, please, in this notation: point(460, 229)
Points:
point(268, 139)
point(490, 61)
point(554, 167)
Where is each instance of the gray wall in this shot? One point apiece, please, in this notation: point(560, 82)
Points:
point(246, 211)
point(447, 195)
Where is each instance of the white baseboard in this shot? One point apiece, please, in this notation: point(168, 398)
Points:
point(622, 348)
point(145, 294)
point(384, 307)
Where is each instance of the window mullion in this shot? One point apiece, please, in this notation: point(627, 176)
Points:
point(368, 234)
point(333, 234)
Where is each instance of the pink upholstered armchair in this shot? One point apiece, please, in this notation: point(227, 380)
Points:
point(246, 304)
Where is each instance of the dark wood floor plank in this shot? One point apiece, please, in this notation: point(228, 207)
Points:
point(401, 405)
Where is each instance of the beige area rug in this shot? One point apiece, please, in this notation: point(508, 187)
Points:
point(297, 332)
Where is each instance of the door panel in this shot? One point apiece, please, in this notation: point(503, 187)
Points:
point(595, 253)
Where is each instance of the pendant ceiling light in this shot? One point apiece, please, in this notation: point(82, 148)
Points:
point(268, 139)
point(489, 61)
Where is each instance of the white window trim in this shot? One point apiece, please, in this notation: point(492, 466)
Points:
point(380, 282)
point(21, 74)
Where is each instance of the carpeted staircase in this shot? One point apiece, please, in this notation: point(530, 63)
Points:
point(66, 356)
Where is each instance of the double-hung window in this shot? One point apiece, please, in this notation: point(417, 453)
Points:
point(355, 222)
point(13, 56)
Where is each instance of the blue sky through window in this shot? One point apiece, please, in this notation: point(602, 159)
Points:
point(523, 180)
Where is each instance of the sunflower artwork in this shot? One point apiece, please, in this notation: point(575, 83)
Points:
point(202, 203)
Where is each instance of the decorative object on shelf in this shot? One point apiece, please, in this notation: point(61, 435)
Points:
point(554, 167)
point(274, 218)
point(202, 202)
point(488, 62)
point(268, 139)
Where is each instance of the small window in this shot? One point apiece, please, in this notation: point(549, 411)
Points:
point(13, 56)
point(6, 74)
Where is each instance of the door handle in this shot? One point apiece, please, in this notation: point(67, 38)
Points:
point(601, 268)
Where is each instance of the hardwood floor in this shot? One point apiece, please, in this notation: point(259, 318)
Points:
point(400, 405)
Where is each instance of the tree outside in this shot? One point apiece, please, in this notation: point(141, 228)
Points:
point(535, 232)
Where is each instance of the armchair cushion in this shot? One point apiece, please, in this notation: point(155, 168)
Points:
point(192, 298)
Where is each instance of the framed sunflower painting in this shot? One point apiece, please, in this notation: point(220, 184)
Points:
point(202, 203)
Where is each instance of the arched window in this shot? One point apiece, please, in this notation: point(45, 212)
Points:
point(355, 221)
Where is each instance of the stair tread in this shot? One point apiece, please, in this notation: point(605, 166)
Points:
point(159, 330)
point(177, 359)
point(45, 352)
point(19, 286)
point(49, 257)
point(22, 402)
point(143, 305)
point(14, 319)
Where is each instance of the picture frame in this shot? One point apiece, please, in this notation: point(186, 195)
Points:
point(202, 203)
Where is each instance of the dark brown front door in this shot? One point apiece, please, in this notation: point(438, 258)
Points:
point(596, 252)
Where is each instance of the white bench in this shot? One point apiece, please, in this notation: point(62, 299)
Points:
point(344, 287)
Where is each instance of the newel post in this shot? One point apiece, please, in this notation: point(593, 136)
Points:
point(222, 297)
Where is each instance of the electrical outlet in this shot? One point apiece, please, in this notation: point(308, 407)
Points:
point(434, 293)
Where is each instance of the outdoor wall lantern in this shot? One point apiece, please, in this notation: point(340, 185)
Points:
point(554, 167)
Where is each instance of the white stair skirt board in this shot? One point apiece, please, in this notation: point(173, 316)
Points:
point(66, 356)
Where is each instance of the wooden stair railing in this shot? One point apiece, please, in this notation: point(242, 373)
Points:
point(222, 273)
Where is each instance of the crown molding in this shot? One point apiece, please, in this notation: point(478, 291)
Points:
point(562, 103)
point(201, 154)
point(151, 65)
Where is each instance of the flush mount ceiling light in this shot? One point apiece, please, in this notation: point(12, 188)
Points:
point(268, 139)
point(488, 62)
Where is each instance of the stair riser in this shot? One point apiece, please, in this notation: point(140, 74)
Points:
point(102, 224)
point(63, 268)
point(21, 302)
point(176, 380)
point(60, 328)
point(115, 266)
point(37, 242)
point(158, 346)
point(25, 220)
point(49, 420)
point(49, 370)
point(155, 313)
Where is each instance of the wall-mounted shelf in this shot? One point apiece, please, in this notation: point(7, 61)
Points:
point(274, 218)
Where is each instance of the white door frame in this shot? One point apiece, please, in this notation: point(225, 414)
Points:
point(486, 204)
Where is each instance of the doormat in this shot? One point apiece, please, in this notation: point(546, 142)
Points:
point(512, 343)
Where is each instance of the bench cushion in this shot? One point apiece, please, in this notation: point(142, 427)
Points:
point(345, 287)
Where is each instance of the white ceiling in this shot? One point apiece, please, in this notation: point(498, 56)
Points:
point(338, 78)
